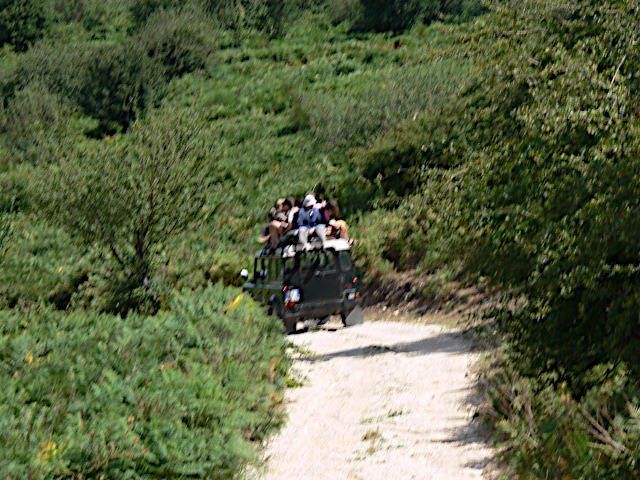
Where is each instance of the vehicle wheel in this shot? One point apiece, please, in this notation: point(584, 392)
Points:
point(290, 326)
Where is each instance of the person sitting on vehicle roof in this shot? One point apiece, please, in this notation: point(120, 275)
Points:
point(276, 211)
point(282, 222)
point(309, 222)
point(290, 234)
point(337, 228)
point(276, 217)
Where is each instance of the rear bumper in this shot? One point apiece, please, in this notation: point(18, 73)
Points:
point(305, 311)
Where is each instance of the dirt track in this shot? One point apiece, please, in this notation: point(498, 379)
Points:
point(383, 400)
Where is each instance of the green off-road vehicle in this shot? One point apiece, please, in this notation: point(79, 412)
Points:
point(311, 285)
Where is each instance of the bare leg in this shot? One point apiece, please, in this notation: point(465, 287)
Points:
point(274, 233)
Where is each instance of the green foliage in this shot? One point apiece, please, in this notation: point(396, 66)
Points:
point(39, 262)
point(183, 394)
point(374, 103)
point(22, 22)
point(130, 197)
point(551, 194)
point(141, 10)
point(549, 434)
point(398, 15)
point(264, 15)
point(384, 15)
point(110, 83)
point(177, 41)
point(33, 121)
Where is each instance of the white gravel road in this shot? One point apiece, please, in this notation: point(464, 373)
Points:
point(382, 400)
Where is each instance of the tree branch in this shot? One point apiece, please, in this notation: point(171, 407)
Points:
point(633, 34)
point(115, 254)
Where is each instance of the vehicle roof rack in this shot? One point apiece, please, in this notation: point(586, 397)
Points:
point(289, 251)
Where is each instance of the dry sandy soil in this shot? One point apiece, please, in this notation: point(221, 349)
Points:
point(382, 400)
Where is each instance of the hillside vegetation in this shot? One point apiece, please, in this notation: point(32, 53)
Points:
point(142, 143)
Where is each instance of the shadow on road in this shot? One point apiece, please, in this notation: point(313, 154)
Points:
point(445, 342)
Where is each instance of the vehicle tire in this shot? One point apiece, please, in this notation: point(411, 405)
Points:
point(290, 326)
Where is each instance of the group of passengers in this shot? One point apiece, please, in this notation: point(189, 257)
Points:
point(294, 220)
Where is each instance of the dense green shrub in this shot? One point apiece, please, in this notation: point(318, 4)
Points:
point(181, 394)
point(263, 15)
point(385, 15)
point(141, 10)
point(40, 263)
point(176, 40)
point(398, 15)
point(70, 10)
point(22, 22)
point(375, 103)
point(113, 84)
point(34, 120)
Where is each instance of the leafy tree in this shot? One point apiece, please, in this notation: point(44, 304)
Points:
point(550, 200)
point(22, 22)
point(131, 197)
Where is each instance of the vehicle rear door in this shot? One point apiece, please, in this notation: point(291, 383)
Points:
point(319, 277)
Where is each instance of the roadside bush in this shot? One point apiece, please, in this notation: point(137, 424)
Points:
point(187, 393)
point(550, 192)
point(546, 433)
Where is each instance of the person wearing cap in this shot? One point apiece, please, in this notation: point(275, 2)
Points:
point(309, 221)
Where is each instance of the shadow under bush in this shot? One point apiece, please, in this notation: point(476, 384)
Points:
point(183, 393)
